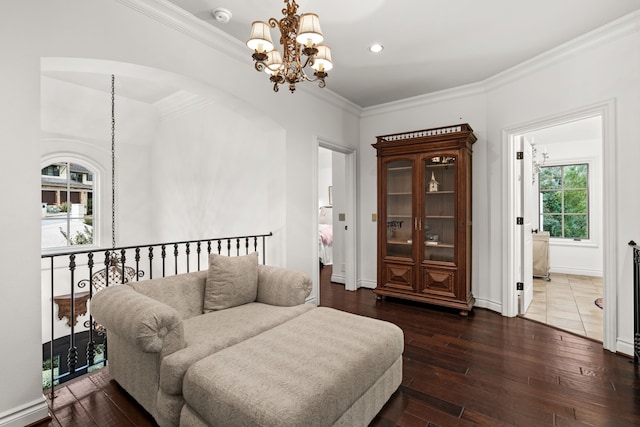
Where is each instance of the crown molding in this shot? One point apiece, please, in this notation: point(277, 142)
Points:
point(427, 99)
point(170, 15)
point(614, 30)
point(176, 18)
point(330, 97)
point(607, 33)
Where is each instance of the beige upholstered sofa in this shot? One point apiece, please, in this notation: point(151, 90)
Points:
point(159, 329)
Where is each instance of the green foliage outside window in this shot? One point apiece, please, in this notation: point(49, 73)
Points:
point(565, 201)
point(84, 237)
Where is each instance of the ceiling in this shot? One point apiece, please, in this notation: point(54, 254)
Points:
point(429, 45)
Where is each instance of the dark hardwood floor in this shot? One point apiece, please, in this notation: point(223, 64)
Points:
point(484, 370)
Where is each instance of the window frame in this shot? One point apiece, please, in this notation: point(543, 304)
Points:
point(97, 172)
point(588, 188)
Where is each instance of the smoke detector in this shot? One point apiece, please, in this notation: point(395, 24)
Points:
point(221, 15)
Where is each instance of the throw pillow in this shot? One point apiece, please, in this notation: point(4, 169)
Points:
point(231, 281)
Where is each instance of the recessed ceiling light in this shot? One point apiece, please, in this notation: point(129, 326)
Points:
point(376, 48)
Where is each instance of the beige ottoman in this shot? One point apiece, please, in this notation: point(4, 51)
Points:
point(322, 368)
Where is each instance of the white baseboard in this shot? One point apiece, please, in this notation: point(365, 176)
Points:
point(369, 284)
point(488, 304)
point(625, 347)
point(339, 278)
point(575, 271)
point(25, 414)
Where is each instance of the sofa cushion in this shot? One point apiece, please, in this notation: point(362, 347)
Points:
point(214, 331)
point(282, 286)
point(305, 372)
point(184, 292)
point(231, 281)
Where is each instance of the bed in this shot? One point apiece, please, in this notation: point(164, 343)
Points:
point(325, 236)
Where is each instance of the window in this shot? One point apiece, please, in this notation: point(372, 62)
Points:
point(51, 170)
point(564, 201)
point(67, 205)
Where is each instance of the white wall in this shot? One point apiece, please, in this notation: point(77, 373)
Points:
point(19, 255)
point(213, 176)
point(324, 175)
point(126, 40)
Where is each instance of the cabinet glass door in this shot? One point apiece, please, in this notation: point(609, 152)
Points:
point(439, 209)
point(399, 210)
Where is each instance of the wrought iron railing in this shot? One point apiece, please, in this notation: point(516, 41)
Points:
point(76, 344)
point(636, 301)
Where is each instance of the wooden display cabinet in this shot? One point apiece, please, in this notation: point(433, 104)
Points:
point(424, 214)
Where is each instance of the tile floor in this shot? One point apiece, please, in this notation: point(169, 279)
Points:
point(567, 302)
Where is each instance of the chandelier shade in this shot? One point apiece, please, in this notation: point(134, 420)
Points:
point(300, 38)
point(322, 60)
point(273, 62)
point(309, 32)
point(260, 39)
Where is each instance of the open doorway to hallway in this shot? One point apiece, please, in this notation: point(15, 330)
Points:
point(567, 212)
point(336, 214)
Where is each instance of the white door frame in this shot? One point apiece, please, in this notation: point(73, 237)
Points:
point(350, 249)
point(523, 234)
point(605, 110)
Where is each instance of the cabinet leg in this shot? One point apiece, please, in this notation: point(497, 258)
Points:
point(378, 297)
point(464, 313)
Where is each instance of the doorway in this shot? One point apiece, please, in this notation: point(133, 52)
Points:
point(335, 240)
point(578, 266)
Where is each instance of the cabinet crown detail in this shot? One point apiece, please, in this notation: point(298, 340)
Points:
point(426, 133)
point(424, 216)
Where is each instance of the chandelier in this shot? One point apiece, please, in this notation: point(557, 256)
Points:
point(536, 163)
point(299, 35)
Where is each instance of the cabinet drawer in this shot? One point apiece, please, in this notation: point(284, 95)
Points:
point(440, 282)
point(399, 276)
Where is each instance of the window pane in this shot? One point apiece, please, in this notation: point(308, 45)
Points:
point(575, 201)
point(67, 208)
point(575, 176)
point(575, 227)
point(564, 206)
point(51, 170)
point(550, 178)
point(552, 202)
point(553, 224)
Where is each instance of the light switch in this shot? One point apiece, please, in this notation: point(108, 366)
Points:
point(374, 217)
